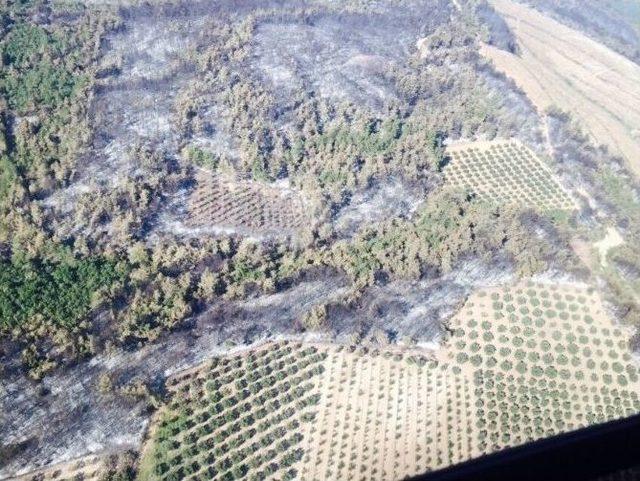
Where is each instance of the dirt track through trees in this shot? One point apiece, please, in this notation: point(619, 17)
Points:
point(562, 67)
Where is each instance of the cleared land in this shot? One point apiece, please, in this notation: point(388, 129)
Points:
point(612, 240)
point(387, 415)
point(563, 67)
point(218, 202)
point(505, 172)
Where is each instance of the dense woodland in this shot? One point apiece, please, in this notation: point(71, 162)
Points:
point(73, 283)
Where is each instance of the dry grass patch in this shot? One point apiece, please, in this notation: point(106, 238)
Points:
point(505, 172)
point(248, 206)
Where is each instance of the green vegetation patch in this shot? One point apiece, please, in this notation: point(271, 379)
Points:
point(8, 176)
point(44, 85)
point(25, 43)
point(448, 226)
point(202, 158)
point(34, 75)
point(61, 293)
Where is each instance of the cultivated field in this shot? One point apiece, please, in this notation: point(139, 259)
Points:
point(505, 172)
point(237, 417)
point(545, 359)
point(296, 411)
point(386, 415)
point(563, 67)
point(253, 207)
point(523, 362)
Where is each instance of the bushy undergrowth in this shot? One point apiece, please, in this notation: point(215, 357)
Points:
point(34, 76)
point(61, 292)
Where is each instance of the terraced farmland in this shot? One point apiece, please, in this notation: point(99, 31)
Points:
point(246, 206)
point(505, 172)
point(545, 360)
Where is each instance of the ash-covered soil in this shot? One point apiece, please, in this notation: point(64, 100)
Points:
point(150, 72)
point(155, 92)
point(418, 310)
point(344, 57)
point(149, 75)
point(386, 200)
point(81, 419)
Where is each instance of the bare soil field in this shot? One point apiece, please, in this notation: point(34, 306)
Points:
point(562, 67)
point(505, 172)
point(218, 202)
point(612, 240)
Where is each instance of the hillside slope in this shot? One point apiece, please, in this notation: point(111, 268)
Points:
point(562, 67)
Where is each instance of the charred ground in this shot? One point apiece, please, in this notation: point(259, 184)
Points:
point(348, 107)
